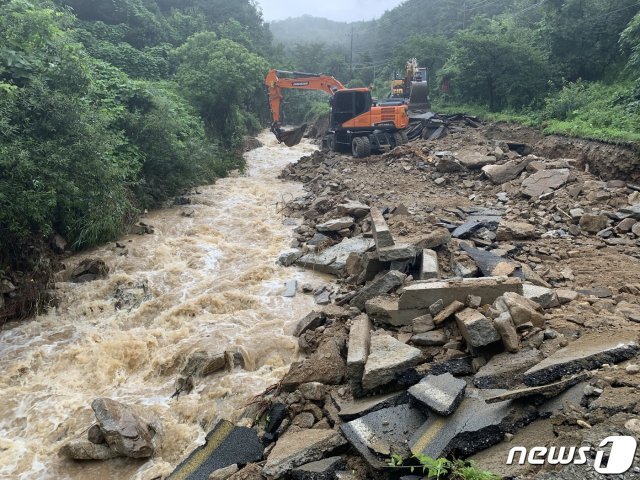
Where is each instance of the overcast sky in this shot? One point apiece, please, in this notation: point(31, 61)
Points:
point(340, 10)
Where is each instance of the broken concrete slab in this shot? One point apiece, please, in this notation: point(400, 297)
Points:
point(397, 252)
point(476, 329)
point(225, 445)
point(333, 259)
point(458, 367)
point(488, 219)
point(422, 295)
point(325, 365)
point(543, 392)
point(290, 288)
point(381, 285)
point(475, 426)
point(545, 297)
point(586, 353)
point(489, 264)
point(387, 357)
point(298, 448)
point(320, 470)
point(380, 434)
point(350, 410)
point(506, 172)
point(430, 268)
point(439, 393)
point(384, 310)
point(448, 312)
point(289, 257)
point(435, 338)
point(506, 369)
point(544, 181)
point(507, 330)
point(335, 225)
point(353, 209)
point(359, 341)
point(381, 233)
point(473, 159)
point(524, 312)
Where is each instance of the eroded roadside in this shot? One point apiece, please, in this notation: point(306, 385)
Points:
point(486, 297)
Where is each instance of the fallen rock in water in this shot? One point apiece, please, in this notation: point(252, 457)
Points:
point(387, 357)
point(202, 363)
point(88, 270)
point(289, 257)
point(586, 353)
point(378, 435)
point(125, 432)
point(325, 365)
point(131, 295)
point(295, 449)
point(83, 449)
point(439, 393)
point(333, 259)
point(545, 181)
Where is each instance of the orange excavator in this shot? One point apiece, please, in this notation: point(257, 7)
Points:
point(356, 124)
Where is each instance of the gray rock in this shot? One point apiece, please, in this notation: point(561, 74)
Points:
point(506, 369)
point(422, 295)
point(290, 288)
point(359, 343)
point(289, 257)
point(524, 312)
point(474, 160)
point(477, 330)
point(312, 321)
point(335, 225)
point(545, 181)
point(123, 429)
point(593, 223)
point(381, 285)
point(83, 449)
point(508, 231)
point(381, 233)
point(422, 324)
point(387, 357)
point(224, 473)
point(398, 252)
point(383, 310)
point(321, 470)
point(545, 297)
point(350, 410)
point(507, 330)
point(435, 338)
point(333, 259)
point(325, 365)
point(298, 448)
point(586, 353)
point(379, 434)
point(319, 240)
point(506, 172)
point(489, 220)
point(448, 312)
point(440, 393)
point(354, 209)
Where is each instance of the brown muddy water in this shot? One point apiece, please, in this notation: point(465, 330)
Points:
point(213, 283)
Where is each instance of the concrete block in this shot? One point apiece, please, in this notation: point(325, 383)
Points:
point(381, 234)
point(430, 268)
point(477, 330)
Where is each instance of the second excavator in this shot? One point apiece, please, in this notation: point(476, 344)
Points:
point(355, 125)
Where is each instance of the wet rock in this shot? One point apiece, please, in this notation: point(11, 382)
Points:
point(95, 435)
point(506, 369)
point(545, 181)
point(333, 259)
point(322, 297)
point(359, 344)
point(289, 257)
point(430, 339)
point(593, 223)
point(312, 321)
point(430, 268)
point(290, 288)
point(381, 285)
point(83, 449)
point(325, 365)
point(378, 435)
point(474, 426)
point(586, 353)
point(321, 470)
point(141, 228)
point(131, 295)
point(384, 310)
point(88, 270)
point(350, 410)
point(439, 393)
point(297, 448)
point(516, 231)
point(422, 295)
point(506, 172)
point(335, 225)
point(477, 330)
point(277, 413)
point(354, 209)
point(447, 312)
point(123, 429)
point(387, 357)
point(381, 233)
point(507, 330)
point(205, 362)
point(544, 391)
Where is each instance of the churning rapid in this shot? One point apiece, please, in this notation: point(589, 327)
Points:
point(212, 283)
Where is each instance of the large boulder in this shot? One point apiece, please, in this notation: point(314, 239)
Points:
point(125, 432)
point(545, 181)
point(506, 172)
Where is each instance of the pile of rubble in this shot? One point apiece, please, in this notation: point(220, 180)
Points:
point(485, 298)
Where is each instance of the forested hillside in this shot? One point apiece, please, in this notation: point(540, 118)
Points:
point(571, 66)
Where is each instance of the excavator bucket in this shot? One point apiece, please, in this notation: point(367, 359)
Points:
point(291, 137)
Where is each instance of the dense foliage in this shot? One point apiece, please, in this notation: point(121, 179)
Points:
point(108, 107)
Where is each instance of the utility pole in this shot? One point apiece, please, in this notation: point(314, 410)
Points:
point(351, 60)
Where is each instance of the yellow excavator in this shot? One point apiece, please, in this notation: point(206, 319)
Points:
point(412, 89)
point(356, 123)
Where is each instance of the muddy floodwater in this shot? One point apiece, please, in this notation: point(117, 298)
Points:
point(212, 283)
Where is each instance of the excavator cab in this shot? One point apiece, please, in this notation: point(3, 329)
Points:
point(348, 104)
